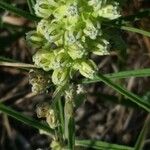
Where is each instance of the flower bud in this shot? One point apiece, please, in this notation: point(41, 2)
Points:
point(42, 110)
point(86, 68)
point(51, 118)
point(109, 11)
point(44, 8)
point(91, 31)
point(34, 39)
point(44, 59)
point(76, 51)
point(60, 76)
point(55, 145)
point(101, 48)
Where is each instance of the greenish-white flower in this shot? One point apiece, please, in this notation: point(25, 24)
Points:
point(86, 67)
point(44, 8)
point(101, 48)
point(91, 31)
point(60, 76)
point(109, 11)
point(44, 59)
point(42, 110)
point(76, 51)
point(51, 118)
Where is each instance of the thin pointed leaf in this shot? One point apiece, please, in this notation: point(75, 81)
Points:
point(18, 11)
point(121, 75)
point(99, 145)
point(134, 98)
point(135, 30)
point(140, 141)
point(31, 4)
point(27, 120)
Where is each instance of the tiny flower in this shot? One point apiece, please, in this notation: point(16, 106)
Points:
point(34, 39)
point(96, 4)
point(49, 30)
point(102, 48)
point(44, 59)
point(72, 10)
point(91, 31)
point(44, 8)
point(42, 110)
point(86, 67)
point(51, 118)
point(55, 145)
point(109, 11)
point(60, 76)
point(70, 37)
point(76, 51)
point(80, 89)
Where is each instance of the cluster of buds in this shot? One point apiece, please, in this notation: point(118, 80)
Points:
point(45, 111)
point(69, 31)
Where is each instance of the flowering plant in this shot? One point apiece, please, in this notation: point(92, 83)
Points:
point(68, 33)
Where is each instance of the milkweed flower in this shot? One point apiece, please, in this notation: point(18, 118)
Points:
point(68, 33)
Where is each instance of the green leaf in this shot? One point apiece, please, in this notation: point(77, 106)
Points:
point(135, 30)
point(27, 120)
point(120, 75)
point(140, 141)
point(18, 11)
point(31, 4)
point(134, 98)
point(99, 145)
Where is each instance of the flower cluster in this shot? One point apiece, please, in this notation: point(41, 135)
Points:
point(69, 31)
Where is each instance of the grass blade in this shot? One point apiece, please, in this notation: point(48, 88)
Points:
point(140, 141)
point(135, 30)
point(134, 98)
point(18, 11)
point(31, 4)
point(121, 75)
point(99, 145)
point(22, 118)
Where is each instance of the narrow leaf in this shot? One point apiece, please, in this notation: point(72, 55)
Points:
point(140, 141)
point(134, 98)
point(31, 4)
point(99, 145)
point(18, 11)
point(135, 30)
point(22, 118)
point(120, 75)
